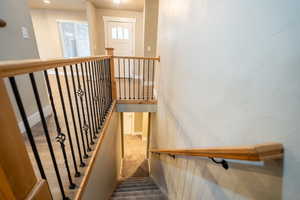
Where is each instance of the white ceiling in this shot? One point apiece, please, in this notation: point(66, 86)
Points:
point(136, 5)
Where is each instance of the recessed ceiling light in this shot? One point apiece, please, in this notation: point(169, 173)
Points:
point(117, 1)
point(47, 1)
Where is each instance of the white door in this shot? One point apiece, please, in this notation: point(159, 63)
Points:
point(120, 35)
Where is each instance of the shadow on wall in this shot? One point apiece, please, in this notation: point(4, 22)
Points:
point(199, 178)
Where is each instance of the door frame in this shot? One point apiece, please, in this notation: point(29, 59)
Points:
point(107, 19)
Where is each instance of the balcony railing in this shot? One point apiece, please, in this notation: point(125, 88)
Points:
point(135, 77)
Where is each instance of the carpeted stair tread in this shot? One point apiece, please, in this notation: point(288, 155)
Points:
point(137, 188)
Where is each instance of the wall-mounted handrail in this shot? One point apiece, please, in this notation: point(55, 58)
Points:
point(17, 67)
point(250, 153)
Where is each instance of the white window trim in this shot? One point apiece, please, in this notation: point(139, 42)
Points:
point(107, 19)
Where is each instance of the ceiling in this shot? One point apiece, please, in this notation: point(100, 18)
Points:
point(135, 5)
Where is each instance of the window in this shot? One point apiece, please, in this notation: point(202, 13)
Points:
point(119, 33)
point(74, 39)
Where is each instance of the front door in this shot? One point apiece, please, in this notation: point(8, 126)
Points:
point(120, 35)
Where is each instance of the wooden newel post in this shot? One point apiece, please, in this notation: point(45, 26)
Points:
point(110, 52)
point(17, 177)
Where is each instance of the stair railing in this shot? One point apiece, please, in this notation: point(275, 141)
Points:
point(135, 78)
point(259, 152)
point(80, 94)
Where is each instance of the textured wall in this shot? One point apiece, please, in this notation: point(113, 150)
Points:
point(229, 75)
point(106, 168)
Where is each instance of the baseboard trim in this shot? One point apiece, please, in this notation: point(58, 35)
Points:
point(35, 118)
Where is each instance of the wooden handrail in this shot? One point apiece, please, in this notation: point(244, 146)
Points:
point(250, 153)
point(138, 57)
point(12, 68)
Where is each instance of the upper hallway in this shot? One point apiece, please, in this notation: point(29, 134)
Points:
point(228, 81)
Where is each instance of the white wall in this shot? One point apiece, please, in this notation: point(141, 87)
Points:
point(106, 170)
point(14, 47)
point(150, 27)
point(47, 32)
point(229, 75)
point(91, 13)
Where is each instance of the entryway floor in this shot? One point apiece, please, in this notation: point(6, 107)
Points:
point(134, 162)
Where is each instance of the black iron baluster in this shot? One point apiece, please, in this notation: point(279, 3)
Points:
point(129, 77)
point(120, 97)
point(81, 93)
point(139, 65)
point(60, 136)
point(93, 96)
point(133, 61)
point(97, 95)
point(78, 113)
point(153, 78)
point(88, 83)
point(104, 78)
point(27, 126)
point(143, 79)
point(103, 84)
point(62, 101)
point(48, 139)
point(110, 84)
point(82, 164)
point(148, 80)
point(100, 92)
point(87, 104)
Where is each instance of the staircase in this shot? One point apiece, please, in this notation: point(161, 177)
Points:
point(137, 188)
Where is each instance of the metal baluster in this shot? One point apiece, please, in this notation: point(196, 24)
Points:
point(143, 79)
point(48, 139)
point(148, 80)
point(153, 77)
point(88, 82)
point(139, 65)
point(78, 113)
point(96, 94)
point(81, 93)
point(104, 78)
point(60, 136)
point(87, 104)
point(110, 84)
point(129, 77)
point(125, 95)
point(27, 126)
point(82, 164)
point(62, 101)
point(133, 78)
point(93, 96)
point(100, 92)
point(103, 83)
point(120, 97)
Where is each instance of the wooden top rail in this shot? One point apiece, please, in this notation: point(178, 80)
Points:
point(135, 57)
point(251, 153)
point(12, 68)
